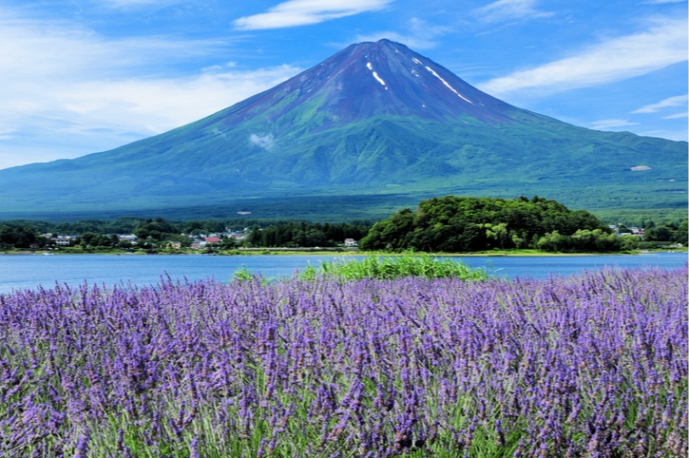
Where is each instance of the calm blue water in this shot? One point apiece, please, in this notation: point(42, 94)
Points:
point(29, 271)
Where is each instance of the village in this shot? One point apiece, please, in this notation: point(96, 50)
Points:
point(195, 242)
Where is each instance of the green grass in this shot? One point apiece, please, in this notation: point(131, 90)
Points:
point(388, 268)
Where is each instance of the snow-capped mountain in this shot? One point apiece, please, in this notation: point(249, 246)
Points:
point(373, 120)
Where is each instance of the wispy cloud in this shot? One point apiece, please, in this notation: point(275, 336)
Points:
point(67, 91)
point(663, 44)
point(510, 10)
point(159, 104)
point(611, 123)
point(675, 101)
point(419, 35)
point(683, 114)
point(294, 13)
point(263, 141)
point(660, 2)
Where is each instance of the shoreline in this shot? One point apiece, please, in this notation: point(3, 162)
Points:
point(348, 253)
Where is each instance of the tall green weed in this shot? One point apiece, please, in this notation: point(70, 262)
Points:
point(388, 268)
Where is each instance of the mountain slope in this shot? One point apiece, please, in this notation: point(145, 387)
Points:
point(375, 118)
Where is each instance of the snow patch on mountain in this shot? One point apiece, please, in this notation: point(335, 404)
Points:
point(379, 79)
point(447, 84)
point(375, 75)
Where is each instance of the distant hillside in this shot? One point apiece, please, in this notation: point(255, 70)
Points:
point(374, 126)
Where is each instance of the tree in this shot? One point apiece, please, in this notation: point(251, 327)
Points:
point(498, 233)
point(88, 239)
point(658, 234)
point(19, 236)
point(681, 235)
point(552, 241)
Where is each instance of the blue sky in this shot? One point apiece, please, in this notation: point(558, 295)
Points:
point(82, 76)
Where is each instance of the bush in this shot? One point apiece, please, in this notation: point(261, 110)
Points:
point(388, 268)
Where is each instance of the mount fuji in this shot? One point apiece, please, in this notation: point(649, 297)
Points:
point(374, 125)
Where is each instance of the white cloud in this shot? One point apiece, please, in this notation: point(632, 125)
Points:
point(611, 123)
point(264, 141)
point(420, 35)
point(675, 101)
point(67, 91)
point(157, 105)
point(509, 10)
point(294, 13)
point(683, 114)
point(663, 44)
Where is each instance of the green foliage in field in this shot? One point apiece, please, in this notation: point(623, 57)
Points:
point(388, 268)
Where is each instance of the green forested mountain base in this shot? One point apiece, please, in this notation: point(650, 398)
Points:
point(360, 170)
point(348, 208)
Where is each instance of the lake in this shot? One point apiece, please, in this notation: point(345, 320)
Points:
point(29, 271)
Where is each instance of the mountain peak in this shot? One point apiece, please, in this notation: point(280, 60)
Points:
point(382, 44)
point(376, 78)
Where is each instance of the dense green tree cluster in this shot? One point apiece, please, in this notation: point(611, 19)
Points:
point(203, 227)
point(668, 233)
point(157, 229)
point(463, 224)
point(583, 240)
point(97, 240)
point(124, 225)
point(292, 235)
point(18, 236)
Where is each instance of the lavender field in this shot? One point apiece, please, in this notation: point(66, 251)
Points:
point(593, 365)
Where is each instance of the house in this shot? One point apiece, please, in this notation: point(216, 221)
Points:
point(212, 239)
point(127, 238)
point(176, 245)
point(198, 245)
point(63, 240)
point(351, 243)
